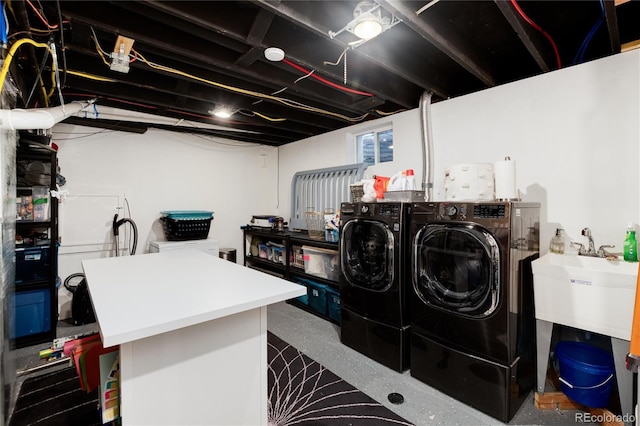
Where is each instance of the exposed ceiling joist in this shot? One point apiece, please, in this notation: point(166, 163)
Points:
point(190, 57)
point(445, 39)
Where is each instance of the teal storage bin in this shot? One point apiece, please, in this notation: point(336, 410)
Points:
point(317, 294)
point(305, 297)
point(333, 304)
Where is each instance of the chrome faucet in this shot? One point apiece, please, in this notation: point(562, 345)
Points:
point(591, 249)
point(603, 253)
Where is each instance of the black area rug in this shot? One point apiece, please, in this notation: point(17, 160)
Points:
point(301, 392)
point(56, 399)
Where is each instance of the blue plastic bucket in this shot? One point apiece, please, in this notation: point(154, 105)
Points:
point(587, 373)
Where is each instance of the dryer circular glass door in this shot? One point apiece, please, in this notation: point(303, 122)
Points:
point(366, 254)
point(456, 268)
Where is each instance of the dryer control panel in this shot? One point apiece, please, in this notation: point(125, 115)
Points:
point(462, 211)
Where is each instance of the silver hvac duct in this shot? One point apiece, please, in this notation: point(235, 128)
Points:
point(38, 118)
point(426, 136)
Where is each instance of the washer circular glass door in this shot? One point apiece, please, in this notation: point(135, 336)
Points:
point(367, 249)
point(456, 268)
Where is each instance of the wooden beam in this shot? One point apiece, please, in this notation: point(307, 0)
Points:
point(611, 20)
point(125, 43)
point(630, 46)
point(556, 401)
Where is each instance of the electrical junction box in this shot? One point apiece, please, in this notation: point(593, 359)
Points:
point(120, 65)
point(120, 55)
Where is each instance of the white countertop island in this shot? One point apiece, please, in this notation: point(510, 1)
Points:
point(192, 334)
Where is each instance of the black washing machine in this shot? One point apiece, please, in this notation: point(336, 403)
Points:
point(374, 242)
point(471, 301)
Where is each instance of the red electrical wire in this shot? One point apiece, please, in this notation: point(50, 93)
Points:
point(43, 19)
point(537, 27)
point(325, 81)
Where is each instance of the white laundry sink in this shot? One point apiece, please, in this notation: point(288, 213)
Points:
point(584, 292)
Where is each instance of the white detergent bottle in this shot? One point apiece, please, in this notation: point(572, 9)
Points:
point(410, 180)
point(397, 182)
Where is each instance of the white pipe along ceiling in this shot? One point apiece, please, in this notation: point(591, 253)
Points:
point(39, 118)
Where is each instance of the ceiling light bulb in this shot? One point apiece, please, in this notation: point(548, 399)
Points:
point(367, 29)
point(222, 112)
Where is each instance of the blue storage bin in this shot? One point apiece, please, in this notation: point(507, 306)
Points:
point(305, 297)
point(317, 294)
point(32, 264)
point(333, 304)
point(29, 313)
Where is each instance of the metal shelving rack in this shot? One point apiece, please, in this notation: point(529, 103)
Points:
point(286, 270)
point(36, 323)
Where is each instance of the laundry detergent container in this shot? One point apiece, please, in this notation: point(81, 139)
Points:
point(587, 373)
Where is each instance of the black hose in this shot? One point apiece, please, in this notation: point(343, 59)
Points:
point(72, 289)
point(135, 234)
point(117, 224)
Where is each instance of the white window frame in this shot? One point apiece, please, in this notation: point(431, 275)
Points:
point(376, 143)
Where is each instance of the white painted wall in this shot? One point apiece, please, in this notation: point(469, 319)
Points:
point(156, 171)
point(573, 133)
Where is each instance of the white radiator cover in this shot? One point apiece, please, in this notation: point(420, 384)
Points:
point(322, 189)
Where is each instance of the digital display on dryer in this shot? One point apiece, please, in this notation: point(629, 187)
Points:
point(489, 211)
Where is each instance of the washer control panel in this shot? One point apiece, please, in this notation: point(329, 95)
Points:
point(380, 210)
point(383, 211)
point(489, 211)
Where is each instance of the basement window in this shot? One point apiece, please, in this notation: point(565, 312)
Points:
point(375, 146)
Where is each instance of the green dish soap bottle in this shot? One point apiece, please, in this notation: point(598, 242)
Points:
point(630, 245)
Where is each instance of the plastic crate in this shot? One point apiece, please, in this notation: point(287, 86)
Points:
point(181, 225)
point(32, 264)
point(30, 313)
point(315, 224)
point(278, 254)
point(263, 251)
point(320, 262)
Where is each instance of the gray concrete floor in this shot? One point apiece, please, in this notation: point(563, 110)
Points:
point(423, 405)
